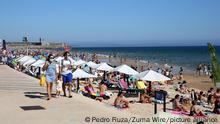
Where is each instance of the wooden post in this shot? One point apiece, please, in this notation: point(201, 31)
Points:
point(77, 88)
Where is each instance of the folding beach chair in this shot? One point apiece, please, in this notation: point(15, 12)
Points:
point(123, 86)
point(92, 94)
point(110, 85)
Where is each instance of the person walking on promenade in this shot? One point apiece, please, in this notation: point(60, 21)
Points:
point(50, 69)
point(66, 71)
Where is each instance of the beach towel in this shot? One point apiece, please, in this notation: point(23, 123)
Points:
point(42, 80)
point(179, 112)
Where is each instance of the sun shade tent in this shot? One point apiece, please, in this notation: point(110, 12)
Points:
point(38, 63)
point(79, 62)
point(79, 73)
point(24, 59)
point(104, 67)
point(125, 69)
point(92, 64)
point(19, 58)
point(28, 62)
point(151, 75)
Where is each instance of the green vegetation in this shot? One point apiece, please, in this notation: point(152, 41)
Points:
point(215, 65)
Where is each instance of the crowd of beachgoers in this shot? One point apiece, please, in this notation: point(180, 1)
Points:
point(87, 75)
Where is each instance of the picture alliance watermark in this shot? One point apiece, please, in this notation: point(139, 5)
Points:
point(167, 120)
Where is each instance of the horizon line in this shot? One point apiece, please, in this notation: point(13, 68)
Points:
point(139, 46)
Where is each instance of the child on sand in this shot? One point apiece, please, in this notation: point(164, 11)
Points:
point(58, 85)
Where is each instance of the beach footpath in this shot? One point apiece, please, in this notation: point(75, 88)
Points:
point(22, 101)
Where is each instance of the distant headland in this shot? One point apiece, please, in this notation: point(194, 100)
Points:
point(40, 44)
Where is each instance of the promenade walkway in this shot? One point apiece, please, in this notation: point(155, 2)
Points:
point(12, 80)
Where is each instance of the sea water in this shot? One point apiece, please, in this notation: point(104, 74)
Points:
point(187, 56)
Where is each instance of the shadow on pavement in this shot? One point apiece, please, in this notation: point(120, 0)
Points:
point(35, 95)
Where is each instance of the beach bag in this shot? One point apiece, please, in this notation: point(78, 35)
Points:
point(42, 80)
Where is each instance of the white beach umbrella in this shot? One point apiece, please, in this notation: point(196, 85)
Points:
point(38, 63)
point(19, 58)
point(104, 67)
point(79, 62)
point(30, 61)
point(79, 73)
point(24, 59)
point(92, 64)
point(125, 69)
point(151, 75)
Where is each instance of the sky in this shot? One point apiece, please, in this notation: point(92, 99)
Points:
point(112, 22)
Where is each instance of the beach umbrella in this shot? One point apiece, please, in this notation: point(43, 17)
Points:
point(79, 62)
point(30, 61)
point(79, 73)
point(24, 59)
point(125, 69)
point(19, 58)
point(92, 64)
point(151, 75)
point(38, 63)
point(104, 67)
